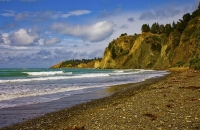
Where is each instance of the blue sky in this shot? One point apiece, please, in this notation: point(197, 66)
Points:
point(40, 33)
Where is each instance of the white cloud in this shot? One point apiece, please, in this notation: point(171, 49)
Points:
point(4, 39)
point(168, 11)
point(94, 33)
point(70, 13)
point(38, 16)
point(79, 12)
point(8, 13)
point(23, 37)
point(22, 16)
point(41, 41)
point(52, 41)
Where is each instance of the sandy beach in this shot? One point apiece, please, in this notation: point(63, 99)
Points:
point(171, 102)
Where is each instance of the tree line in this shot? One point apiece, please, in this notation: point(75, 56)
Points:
point(180, 25)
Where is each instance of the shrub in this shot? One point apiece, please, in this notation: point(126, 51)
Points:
point(180, 63)
point(168, 49)
point(175, 38)
point(156, 47)
point(123, 34)
point(125, 52)
point(114, 55)
point(195, 63)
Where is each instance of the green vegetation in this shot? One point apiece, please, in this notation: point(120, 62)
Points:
point(155, 42)
point(196, 13)
point(176, 36)
point(180, 63)
point(180, 26)
point(76, 62)
point(196, 34)
point(195, 63)
point(123, 34)
point(145, 28)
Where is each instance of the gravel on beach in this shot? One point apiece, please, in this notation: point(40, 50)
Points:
point(171, 102)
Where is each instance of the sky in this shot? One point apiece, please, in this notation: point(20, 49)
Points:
point(41, 33)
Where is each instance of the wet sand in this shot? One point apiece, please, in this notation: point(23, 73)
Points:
point(172, 102)
point(13, 115)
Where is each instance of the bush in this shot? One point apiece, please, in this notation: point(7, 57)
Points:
point(180, 63)
point(175, 38)
point(156, 47)
point(168, 49)
point(195, 63)
point(125, 52)
point(114, 55)
point(123, 34)
point(155, 42)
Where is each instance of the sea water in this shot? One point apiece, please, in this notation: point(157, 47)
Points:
point(20, 87)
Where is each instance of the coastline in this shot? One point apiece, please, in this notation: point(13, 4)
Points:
point(168, 102)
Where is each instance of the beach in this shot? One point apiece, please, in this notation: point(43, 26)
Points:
point(170, 102)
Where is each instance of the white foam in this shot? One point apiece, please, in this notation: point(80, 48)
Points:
point(118, 71)
point(44, 73)
point(28, 93)
point(55, 78)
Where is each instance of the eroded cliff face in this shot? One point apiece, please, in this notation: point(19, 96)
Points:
point(142, 52)
point(117, 51)
point(155, 51)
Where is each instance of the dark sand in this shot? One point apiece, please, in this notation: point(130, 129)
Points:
point(172, 102)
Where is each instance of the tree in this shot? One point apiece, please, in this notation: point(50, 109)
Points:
point(173, 25)
point(196, 12)
point(155, 28)
point(186, 17)
point(145, 28)
point(168, 29)
point(182, 23)
point(161, 29)
point(123, 34)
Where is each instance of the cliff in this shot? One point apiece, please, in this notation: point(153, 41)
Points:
point(161, 47)
point(156, 50)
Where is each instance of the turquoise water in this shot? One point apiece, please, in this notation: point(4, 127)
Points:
point(31, 86)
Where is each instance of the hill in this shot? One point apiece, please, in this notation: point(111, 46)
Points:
point(84, 63)
point(157, 47)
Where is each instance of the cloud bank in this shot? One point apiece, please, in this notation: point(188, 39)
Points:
point(161, 13)
point(43, 15)
point(94, 33)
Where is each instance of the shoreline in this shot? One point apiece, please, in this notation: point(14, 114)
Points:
point(19, 114)
point(142, 105)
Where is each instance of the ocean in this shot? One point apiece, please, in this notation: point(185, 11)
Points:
point(31, 86)
point(28, 93)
